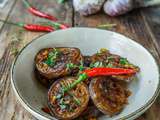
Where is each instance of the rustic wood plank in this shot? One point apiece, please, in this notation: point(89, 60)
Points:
point(6, 9)
point(134, 26)
point(152, 17)
point(13, 39)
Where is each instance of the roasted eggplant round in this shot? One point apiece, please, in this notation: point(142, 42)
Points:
point(106, 59)
point(108, 95)
point(67, 105)
point(53, 62)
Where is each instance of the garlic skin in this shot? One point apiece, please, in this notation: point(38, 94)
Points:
point(117, 7)
point(88, 7)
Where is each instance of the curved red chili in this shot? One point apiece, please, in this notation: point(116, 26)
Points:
point(108, 71)
point(37, 12)
point(35, 27)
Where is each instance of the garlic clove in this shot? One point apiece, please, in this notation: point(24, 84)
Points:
point(117, 7)
point(88, 7)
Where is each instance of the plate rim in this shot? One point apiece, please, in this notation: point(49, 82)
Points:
point(37, 113)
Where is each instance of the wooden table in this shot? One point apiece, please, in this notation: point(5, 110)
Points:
point(142, 26)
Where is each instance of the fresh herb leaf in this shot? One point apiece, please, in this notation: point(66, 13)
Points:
point(96, 64)
point(123, 61)
point(76, 100)
point(71, 66)
point(61, 1)
point(58, 96)
point(63, 107)
point(109, 65)
point(110, 58)
point(52, 57)
point(81, 67)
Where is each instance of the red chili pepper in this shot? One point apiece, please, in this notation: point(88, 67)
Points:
point(107, 71)
point(34, 27)
point(98, 72)
point(37, 12)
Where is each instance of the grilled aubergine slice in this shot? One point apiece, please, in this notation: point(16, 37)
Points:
point(106, 59)
point(67, 105)
point(108, 95)
point(52, 62)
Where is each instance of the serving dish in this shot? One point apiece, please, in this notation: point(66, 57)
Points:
point(32, 94)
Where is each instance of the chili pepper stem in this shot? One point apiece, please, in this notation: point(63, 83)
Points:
point(26, 3)
point(81, 78)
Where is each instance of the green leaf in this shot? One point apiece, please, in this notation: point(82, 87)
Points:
point(110, 58)
point(61, 1)
point(123, 61)
point(58, 96)
point(96, 64)
point(109, 65)
point(63, 107)
point(71, 66)
point(52, 57)
point(77, 101)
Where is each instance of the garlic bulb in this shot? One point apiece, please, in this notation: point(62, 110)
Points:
point(88, 7)
point(118, 7)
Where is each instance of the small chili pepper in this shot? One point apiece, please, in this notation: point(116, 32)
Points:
point(55, 25)
point(36, 12)
point(108, 71)
point(98, 72)
point(35, 27)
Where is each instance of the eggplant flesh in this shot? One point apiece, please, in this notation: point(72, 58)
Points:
point(71, 109)
point(59, 69)
point(108, 95)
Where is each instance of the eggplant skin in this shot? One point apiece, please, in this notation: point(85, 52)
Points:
point(80, 92)
point(67, 55)
point(108, 95)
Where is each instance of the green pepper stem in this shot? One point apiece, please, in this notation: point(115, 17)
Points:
point(106, 25)
point(26, 3)
point(81, 78)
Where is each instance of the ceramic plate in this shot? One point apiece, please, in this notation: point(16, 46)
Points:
point(33, 96)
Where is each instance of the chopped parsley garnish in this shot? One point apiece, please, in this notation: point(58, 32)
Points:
point(110, 58)
point(51, 59)
point(76, 100)
point(123, 61)
point(81, 67)
point(109, 65)
point(96, 64)
point(63, 106)
point(72, 66)
point(58, 96)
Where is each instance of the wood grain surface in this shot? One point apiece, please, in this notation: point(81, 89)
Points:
point(142, 26)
